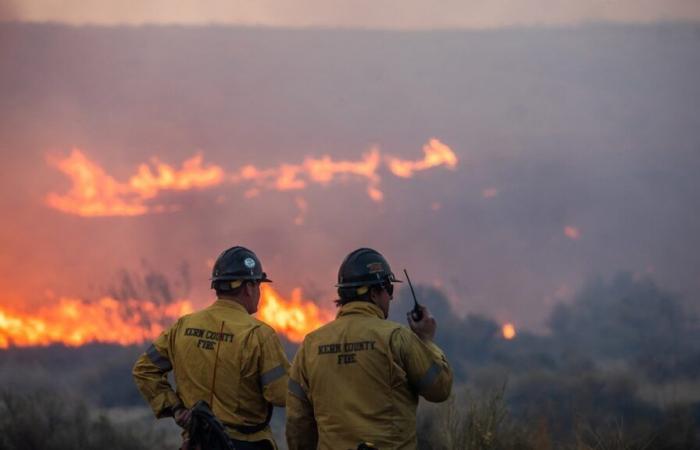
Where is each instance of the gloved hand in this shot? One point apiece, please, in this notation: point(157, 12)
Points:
point(425, 328)
point(182, 416)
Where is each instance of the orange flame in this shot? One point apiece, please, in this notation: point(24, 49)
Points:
point(293, 317)
point(192, 175)
point(96, 193)
point(76, 322)
point(436, 154)
point(323, 170)
point(508, 331)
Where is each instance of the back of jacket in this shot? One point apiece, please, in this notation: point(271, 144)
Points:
point(360, 377)
point(222, 355)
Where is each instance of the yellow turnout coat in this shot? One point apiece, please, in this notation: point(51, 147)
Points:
point(223, 355)
point(358, 379)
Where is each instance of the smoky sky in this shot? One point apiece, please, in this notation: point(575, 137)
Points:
point(8, 11)
point(593, 127)
point(364, 14)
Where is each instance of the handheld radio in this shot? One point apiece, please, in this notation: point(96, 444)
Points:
point(416, 312)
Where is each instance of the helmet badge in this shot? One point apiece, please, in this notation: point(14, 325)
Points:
point(249, 263)
point(375, 267)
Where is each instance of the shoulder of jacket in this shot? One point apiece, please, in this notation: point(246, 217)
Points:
point(180, 321)
point(394, 325)
point(260, 327)
point(186, 317)
point(402, 334)
point(320, 332)
point(387, 326)
point(194, 319)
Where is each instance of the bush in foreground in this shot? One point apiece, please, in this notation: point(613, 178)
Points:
point(470, 422)
point(45, 420)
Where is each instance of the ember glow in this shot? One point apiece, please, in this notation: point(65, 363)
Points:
point(75, 322)
point(572, 233)
point(293, 317)
point(489, 192)
point(303, 207)
point(508, 331)
point(96, 193)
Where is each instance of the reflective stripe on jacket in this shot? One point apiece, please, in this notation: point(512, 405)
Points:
point(251, 367)
point(358, 378)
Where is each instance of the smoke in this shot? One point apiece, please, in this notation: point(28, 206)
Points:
point(95, 193)
point(363, 14)
point(151, 284)
point(577, 148)
point(8, 11)
point(629, 318)
point(626, 320)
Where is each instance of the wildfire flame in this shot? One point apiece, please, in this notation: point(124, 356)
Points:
point(75, 322)
point(436, 154)
point(192, 175)
point(96, 193)
point(321, 171)
point(508, 331)
point(293, 317)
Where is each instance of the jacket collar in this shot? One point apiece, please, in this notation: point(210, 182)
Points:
point(360, 308)
point(232, 304)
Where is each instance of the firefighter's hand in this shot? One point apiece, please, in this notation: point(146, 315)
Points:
point(182, 416)
point(425, 328)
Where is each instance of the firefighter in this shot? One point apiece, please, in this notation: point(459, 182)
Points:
point(356, 380)
point(221, 355)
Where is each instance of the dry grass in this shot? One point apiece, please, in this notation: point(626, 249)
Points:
point(471, 422)
point(44, 420)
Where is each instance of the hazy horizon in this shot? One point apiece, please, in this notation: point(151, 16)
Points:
point(376, 14)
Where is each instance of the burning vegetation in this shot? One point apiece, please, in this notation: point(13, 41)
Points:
point(95, 193)
point(533, 392)
point(294, 317)
point(508, 331)
point(75, 322)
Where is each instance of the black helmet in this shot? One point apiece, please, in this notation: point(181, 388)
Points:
point(237, 263)
point(364, 267)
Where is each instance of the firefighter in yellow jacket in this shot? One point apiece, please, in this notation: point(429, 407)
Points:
point(222, 355)
point(357, 379)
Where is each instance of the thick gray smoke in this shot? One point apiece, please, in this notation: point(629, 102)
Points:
point(593, 128)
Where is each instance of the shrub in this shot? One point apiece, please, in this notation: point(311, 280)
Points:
point(45, 420)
